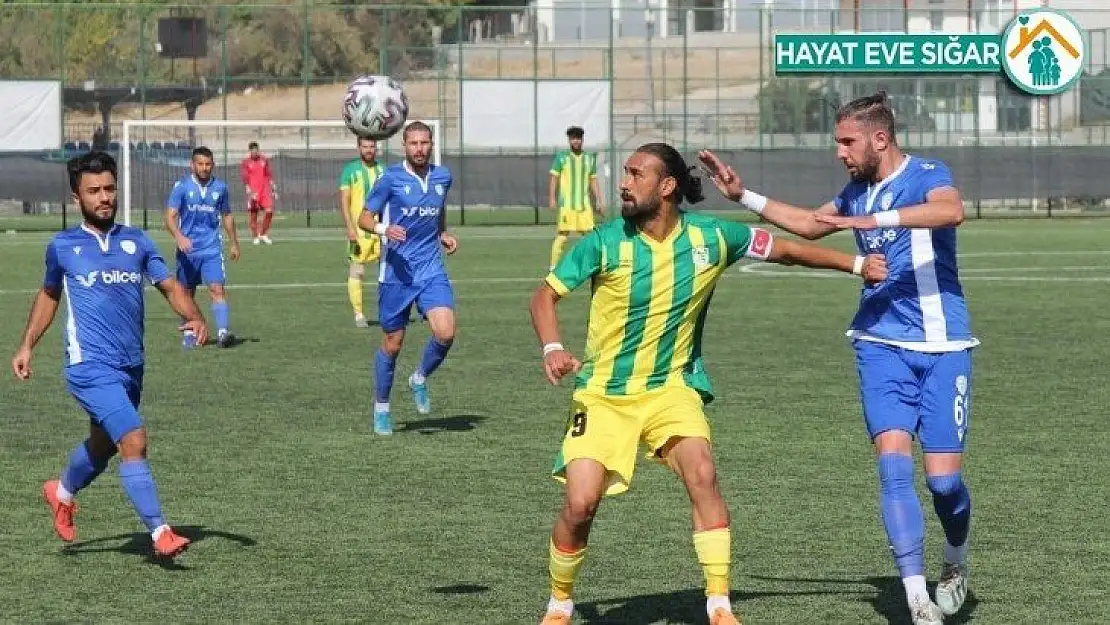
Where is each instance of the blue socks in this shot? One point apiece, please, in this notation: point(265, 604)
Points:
point(82, 468)
point(902, 515)
point(139, 485)
point(384, 366)
point(434, 355)
point(952, 503)
point(221, 314)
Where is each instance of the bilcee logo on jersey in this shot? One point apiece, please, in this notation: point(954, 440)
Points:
point(420, 211)
point(880, 238)
point(115, 276)
point(200, 208)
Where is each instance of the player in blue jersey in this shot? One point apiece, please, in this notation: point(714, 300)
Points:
point(912, 334)
point(99, 268)
point(408, 206)
point(197, 206)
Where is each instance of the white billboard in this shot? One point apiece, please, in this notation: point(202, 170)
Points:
point(34, 118)
point(526, 113)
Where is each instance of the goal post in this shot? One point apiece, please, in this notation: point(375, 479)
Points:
point(307, 157)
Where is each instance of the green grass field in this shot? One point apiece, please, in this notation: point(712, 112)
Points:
point(264, 455)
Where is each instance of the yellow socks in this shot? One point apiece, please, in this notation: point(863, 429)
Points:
point(354, 292)
point(563, 567)
point(557, 246)
point(714, 549)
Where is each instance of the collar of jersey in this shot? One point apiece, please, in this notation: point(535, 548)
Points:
point(669, 239)
point(102, 242)
point(873, 192)
point(423, 181)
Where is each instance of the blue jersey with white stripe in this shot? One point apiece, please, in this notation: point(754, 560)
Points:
point(100, 277)
point(402, 198)
point(199, 209)
point(921, 303)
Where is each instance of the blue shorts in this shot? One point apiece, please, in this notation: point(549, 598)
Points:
point(396, 300)
point(200, 268)
point(921, 393)
point(109, 395)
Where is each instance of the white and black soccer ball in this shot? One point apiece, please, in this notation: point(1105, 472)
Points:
point(375, 107)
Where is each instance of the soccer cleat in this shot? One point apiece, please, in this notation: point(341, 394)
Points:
point(360, 321)
point(383, 423)
point(722, 616)
point(225, 339)
point(952, 588)
point(168, 544)
point(266, 239)
point(257, 240)
point(420, 396)
point(189, 341)
point(926, 612)
point(62, 512)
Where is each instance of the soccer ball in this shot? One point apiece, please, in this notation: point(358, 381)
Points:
point(375, 107)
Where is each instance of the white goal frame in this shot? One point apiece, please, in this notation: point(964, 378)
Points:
point(131, 125)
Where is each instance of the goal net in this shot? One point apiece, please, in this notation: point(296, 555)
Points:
point(306, 156)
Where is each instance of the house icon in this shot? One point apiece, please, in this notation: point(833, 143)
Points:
point(1027, 36)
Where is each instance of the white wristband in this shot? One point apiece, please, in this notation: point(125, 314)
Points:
point(552, 347)
point(887, 219)
point(857, 267)
point(379, 228)
point(753, 201)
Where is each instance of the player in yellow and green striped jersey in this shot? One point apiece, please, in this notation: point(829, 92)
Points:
point(652, 275)
point(573, 180)
point(358, 177)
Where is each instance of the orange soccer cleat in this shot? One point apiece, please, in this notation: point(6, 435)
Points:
point(61, 511)
point(168, 544)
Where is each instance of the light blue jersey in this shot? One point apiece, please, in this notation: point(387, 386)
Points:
point(402, 198)
point(921, 305)
point(199, 209)
point(100, 277)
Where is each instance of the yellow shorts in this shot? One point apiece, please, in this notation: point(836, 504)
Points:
point(609, 429)
point(575, 221)
point(365, 250)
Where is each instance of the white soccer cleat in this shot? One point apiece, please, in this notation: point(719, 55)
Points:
point(257, 241)
point(266, 239)
point(925, 612)
point(952, 588)
point(360, 321)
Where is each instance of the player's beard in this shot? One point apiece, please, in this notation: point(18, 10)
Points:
point(103, 224)
point(868, 169)
point(417, 161)
point(640, 211)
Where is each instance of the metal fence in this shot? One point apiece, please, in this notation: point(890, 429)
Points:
point(695, 77)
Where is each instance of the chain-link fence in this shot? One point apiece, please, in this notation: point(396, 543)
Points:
point(504, 83)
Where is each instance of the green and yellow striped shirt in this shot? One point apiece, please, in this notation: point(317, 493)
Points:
point(359, 179)
point(575, 171)
point(649, 300)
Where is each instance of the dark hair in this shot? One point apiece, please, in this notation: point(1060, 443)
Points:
point(575, 132)
point(90, 163)
point(689, 186)
point(201, 150)
point(253, 145)
point(872, 111)
point(417, 125)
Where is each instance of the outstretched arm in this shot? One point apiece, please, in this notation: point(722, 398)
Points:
point(42, 314)
point(800, 221)
point(943, 208)
point(557, 361)
point(786, 252)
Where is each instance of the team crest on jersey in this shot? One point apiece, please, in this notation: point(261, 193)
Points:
point(77, 250)
point(928, 166)
point(216, 196)
point(439, 189)
point(888, 200)
point(128, 246)
point(701, 257)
